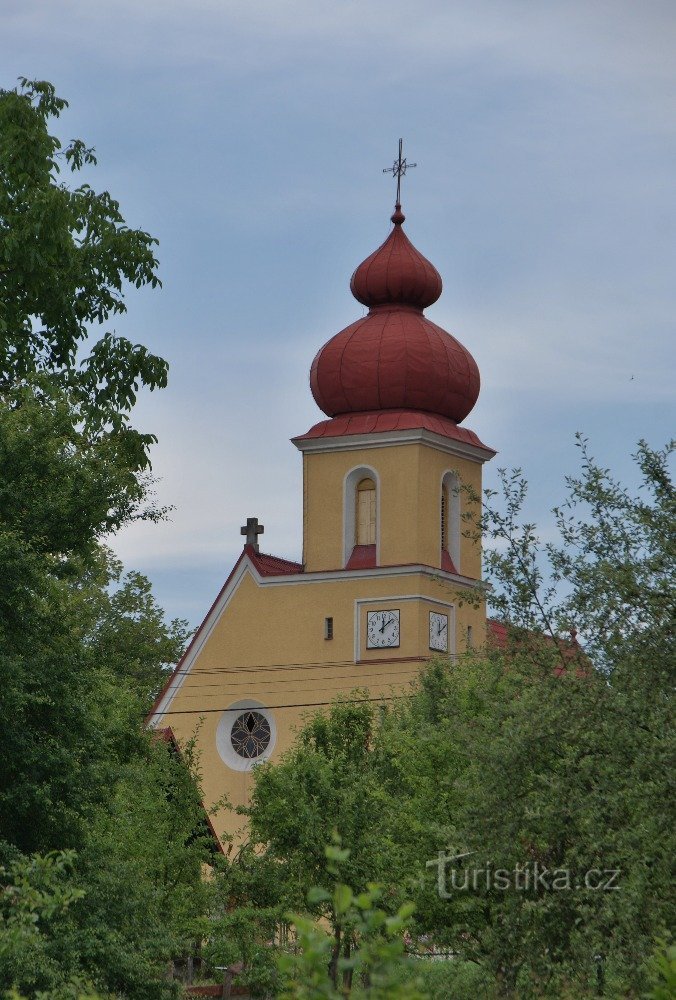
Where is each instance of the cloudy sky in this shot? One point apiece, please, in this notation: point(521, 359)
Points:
point(250, 138)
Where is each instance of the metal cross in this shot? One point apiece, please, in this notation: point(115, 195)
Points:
point(252, 529)
point(398, 169)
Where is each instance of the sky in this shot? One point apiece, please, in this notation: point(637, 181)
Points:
point(250, 139)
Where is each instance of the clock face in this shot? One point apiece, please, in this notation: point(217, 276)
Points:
point(438, 632)
point(382, 629)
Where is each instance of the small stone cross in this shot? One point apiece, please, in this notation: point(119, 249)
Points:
point(252, 529)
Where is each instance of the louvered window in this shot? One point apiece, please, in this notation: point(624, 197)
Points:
point(366, 513)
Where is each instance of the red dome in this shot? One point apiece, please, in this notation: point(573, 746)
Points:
point(395, 358)
point(396, 273)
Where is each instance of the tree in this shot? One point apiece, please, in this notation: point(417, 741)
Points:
point(574, 771)
point(64, 258)
point(565, 761)
point(542, 758)
point(378, 958)
point(132, 898)
point(59, 494)
point(81, 646)
point(78, 771)
point(128, 631)
point(320, 788)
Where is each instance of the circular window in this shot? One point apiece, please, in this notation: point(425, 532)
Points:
point(245, 735)
point(250, 735)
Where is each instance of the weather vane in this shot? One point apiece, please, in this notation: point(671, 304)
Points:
point(398, 169)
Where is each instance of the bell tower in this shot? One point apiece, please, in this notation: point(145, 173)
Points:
point(388, 576)
point(384, 475)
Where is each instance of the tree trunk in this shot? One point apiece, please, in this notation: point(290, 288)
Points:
point(335, 953)
point(347, 974)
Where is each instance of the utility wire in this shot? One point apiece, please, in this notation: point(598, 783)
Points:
point(291, 666)
point(363, 676)
point(304, 690)
point(305, 704)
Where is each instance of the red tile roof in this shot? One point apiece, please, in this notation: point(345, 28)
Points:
point(497, 632)
point(268, 565)
point(569, 649)
point(396, 273)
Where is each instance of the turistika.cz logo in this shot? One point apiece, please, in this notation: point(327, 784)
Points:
point(528, 877)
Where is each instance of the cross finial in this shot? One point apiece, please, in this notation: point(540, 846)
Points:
point(398, 169)
point(252, 529)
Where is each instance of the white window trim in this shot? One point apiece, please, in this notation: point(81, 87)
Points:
point(226, 751)
point(451, 481)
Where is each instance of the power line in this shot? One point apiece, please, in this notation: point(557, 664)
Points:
point(212, 671)
point(270, 666)
point(318, 691)
point(305, 704)
point(364, 676)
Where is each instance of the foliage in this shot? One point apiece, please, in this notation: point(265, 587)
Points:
point(134, 891)
point(663, 972)
point(557, 756)
point(102, 834)
point(321, 788)
point(64, 258)
point(574, 771)
point(141, 869)
point(323, 785)
point(449, 977)
point(36, 893)
point(366, 941)
point(246, 913)
point(128, 631)
point(539, 752)
point(62, 633)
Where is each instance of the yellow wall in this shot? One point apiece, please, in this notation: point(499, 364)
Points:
point(267, 644)
point(409, 478)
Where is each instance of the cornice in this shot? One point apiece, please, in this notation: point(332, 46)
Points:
point(388, 439)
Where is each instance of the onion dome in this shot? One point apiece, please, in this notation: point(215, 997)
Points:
point(395, 358)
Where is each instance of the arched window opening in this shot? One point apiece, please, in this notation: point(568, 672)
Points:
point(449, 527)
point(361, 506)
point(365, 526)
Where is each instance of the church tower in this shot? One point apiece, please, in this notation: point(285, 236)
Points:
point(390, 572)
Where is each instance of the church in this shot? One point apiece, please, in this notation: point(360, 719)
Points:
point(389, 574)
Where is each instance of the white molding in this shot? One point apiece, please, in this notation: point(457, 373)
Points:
point(386, 439)
point(224, 746)
point(350, 482)
point(285, 580)
point(398, 598)
point(340, 575)
point(451, 478)
point(201, 637)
